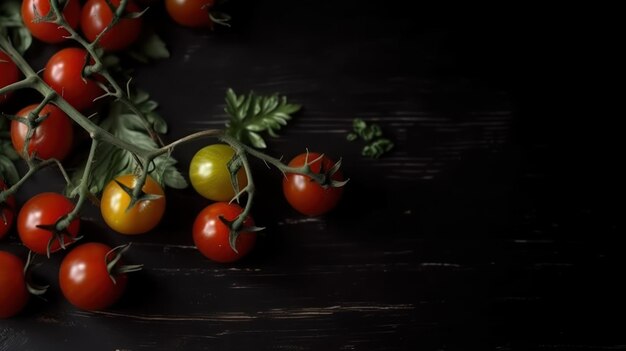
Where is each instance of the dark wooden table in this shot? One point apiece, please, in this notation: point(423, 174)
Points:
point(485, 228)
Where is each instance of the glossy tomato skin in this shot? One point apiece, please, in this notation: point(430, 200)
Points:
point(307, 196)
point(53, 138)
point(209, 173)
point(63, 73)
point(190, 13)
point(211, 235)
point(46, 31)
point(97, 15)
point(45, 209)
point(8, 212)
point(9, 74)
point(142, 217)
point(85, 281)
point(13, 291)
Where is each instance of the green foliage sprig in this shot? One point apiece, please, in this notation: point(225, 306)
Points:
point(372, 134)
point(252, 114)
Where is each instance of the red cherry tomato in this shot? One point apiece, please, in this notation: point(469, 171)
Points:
point(9, 74)
point(51, 139)
point(307, 196)
point(211, 235)
point(46, 31)
point(190, 13)
point(45, 209)
point(85, 281)
point(63, 73)
point(7, 210)
point(97, 15)
point(13, 290)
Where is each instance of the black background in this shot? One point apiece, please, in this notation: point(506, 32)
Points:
point(492, 224)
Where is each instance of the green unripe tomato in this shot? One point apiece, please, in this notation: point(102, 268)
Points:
point(209, 173)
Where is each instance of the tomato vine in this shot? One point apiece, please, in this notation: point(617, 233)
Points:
point(251, 115)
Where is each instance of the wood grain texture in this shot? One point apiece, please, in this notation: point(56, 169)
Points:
point(478, 231)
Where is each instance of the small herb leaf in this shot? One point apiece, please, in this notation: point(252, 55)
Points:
point(358, 125)
point(377, 148)
point(372, 134)
point(253, 114)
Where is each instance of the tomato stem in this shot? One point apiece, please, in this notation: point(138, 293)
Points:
point(32, 288)
point(32, 121)
point(236, 225)
point(83, 190)
point(112, 265)
point(31, 171)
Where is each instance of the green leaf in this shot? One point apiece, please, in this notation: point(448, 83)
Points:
point(377, 148)
point(166, 173)
point(141, 99)
point(372, 134)
point(366, 132)
point(8, 170)
point(7, 150)
point(253, 114)
point(11, 23)
point(111, 161)
point(358, 125)
point(149, 48)
point(140, 96)
point(158, 123)
point(255, 140)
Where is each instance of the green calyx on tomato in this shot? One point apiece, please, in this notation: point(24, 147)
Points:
point(308, 196)
point(127, 214)
point(97, 15)
point(92, 277)
point(196, 13)
point(64, 74)
point(52, 132)
point(37, 223)
point(214, 237)
point(38, 16)
point(114, 266)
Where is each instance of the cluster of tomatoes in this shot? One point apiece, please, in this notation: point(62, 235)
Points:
point(211, 178)
point(91, 276)
point(87, 276)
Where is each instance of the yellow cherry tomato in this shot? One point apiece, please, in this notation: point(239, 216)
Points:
point(142, 217)
point(209, 173)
